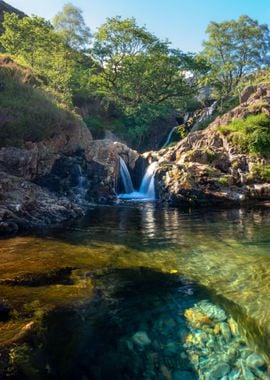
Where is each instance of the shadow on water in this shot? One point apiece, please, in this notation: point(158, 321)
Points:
point(133, 328)
point(113, 287)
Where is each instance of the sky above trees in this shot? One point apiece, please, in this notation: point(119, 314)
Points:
point(183, 22)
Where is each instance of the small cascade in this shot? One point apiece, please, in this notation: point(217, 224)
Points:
point(206, 114)
point(169, 137)
point(147, 188)
point(125, 176)
point(81, 187)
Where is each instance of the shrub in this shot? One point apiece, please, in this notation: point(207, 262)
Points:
point(250, 135)
point(260, 172)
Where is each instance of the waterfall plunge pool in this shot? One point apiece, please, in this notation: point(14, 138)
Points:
point(139, 291)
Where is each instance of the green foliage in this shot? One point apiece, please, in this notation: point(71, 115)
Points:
point(70, 25)
point(211, 155)
point(223, 181)
point(233, 50)
point(260, 172)
point(137, 67)
point(250, 135)
point(27, 113)
point(33, 42)
point(140, 73)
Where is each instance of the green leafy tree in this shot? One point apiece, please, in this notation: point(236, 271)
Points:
point(233, 49)
point(26, 37)
point(34, 42)
point(139, 72)
point(70, 25)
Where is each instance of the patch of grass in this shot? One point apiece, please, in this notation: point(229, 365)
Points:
point(250, 135)
point(260, 172)
point(223, 181)
point(27, 113)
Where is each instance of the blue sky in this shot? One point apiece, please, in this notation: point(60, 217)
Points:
point(183, 22)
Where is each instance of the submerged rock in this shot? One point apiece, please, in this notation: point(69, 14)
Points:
point(219, 371)
point(255, 360)
point(141, 338)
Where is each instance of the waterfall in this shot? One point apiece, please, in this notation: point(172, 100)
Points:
point(169, 137)
point(206, 114)
point(81, 187)
point(147, 188)
point(125, 176)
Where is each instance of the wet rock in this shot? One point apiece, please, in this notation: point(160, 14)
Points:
point(219, 371)
point(141, 338)
point(197, 318)
point(233, 327)
point(225, 331)
point(255, 360)
point(166, 372)
point(248, 375)
point(212, 311)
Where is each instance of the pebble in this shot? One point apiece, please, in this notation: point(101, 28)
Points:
point(141, 338)
point(248, 375)
point(219, 371)
point(225, 331)
point(212, 311)
point(255, 360)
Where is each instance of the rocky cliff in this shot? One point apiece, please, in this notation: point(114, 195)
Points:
point(49, 164)
point(207, 167)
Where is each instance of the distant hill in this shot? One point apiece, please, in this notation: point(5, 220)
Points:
point(4, 7)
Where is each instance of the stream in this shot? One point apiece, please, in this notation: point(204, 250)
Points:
point(139, 291)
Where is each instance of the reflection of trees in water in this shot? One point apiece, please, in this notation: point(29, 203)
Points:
point(147, 223)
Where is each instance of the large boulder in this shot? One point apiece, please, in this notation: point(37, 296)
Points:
point(37, 159)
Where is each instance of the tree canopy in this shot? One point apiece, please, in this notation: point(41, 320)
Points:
point(70, 25)
point(233, 49)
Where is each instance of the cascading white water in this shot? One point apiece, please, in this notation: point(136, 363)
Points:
point(169, 138)
point(206, 114)
point(147, 188)
point(125, 176)
point(81, 188)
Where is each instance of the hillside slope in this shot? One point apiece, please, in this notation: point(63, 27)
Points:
point(227, 163)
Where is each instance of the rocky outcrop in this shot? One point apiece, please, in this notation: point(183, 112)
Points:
point(24, 205)
point(37, 159)
point(206, 167)
point(92, 174)
point(54, 180)
point(253, 100)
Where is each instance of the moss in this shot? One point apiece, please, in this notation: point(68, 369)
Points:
point(223, 181)
point(250, 135)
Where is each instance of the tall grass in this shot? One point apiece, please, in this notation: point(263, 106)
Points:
point(27, 113)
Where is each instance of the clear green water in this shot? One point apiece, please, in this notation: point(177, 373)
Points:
point(118, 295)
